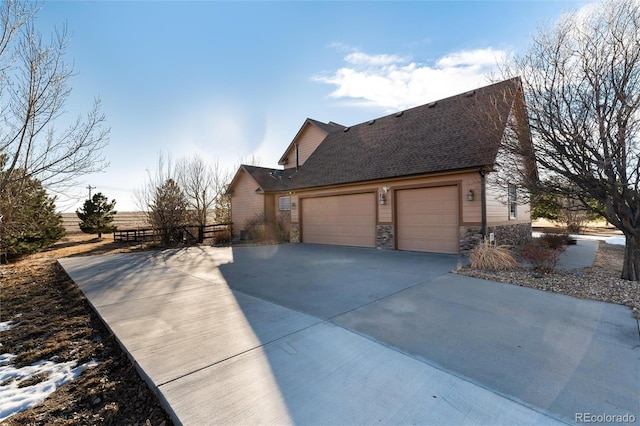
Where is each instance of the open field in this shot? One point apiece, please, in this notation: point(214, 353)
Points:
point(123, 220)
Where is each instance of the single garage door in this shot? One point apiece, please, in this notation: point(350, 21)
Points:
point(428, 219)
point(348, 220)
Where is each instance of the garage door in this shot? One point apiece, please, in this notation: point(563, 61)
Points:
point(428, 219)
point(348, 220)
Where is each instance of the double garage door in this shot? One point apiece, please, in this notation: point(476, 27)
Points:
point(427, 219)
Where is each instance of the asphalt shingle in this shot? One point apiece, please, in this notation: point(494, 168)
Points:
point(459, 132)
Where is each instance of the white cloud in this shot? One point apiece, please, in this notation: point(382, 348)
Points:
point(359, 58)
point(472, 58)
point(392, 82)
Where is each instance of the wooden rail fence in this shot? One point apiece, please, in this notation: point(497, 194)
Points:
point(193, 234)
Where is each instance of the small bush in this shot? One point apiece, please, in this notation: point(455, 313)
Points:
point(541, 257)
point(555, 241)
point(492, 257)
point(261, 230)
point(221, 238)
point(574, 228)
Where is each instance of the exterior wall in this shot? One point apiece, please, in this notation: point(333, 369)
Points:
point(513, 234)
point(469, 215)
point(506, 230)
point(470, 237)
point(498, 206)
point(270, 207)
point(308, 140)
point(280, 215)
point(385, 237)
point(294, 233)
point(245, 202)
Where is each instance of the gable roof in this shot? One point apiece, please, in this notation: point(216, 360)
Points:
point(266, 178)
point(459, 132)
point(456, 133)
point(325, 127)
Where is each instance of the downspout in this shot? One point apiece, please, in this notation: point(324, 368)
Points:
point(483, 204)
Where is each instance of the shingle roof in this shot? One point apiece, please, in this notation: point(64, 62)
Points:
point(270, 179)
point(459, 132)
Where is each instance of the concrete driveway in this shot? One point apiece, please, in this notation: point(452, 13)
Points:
point(313, 334)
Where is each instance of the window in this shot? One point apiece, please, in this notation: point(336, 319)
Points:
point(285, 203)
point(513, 205)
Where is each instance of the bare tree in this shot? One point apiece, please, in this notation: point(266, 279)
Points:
point(204, 184)
point(34, 87)
point(581, 80)
point(145, 195)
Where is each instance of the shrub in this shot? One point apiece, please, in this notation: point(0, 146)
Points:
point(555, 241)
point(262, 230)
point(492, 257)
point(541, 257)
point(574, 227)
point(221, 238)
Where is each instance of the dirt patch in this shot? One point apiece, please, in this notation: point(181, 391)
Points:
point(53, 321)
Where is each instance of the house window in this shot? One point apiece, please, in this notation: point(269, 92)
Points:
point(285, 203)
point(513, 204)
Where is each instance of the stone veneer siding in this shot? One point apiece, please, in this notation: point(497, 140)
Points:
point(470, 237)
point(512, 235)
point(294, 233)
point(385, 237)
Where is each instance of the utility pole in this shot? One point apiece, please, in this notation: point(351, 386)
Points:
point(89, 187)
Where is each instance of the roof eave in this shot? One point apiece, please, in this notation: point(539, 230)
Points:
point(477, 168)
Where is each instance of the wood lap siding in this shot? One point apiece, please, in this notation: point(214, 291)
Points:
point(245, 202)
point(498, 208)
point(308, 141)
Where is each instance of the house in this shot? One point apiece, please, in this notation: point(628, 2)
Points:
point(424, 179)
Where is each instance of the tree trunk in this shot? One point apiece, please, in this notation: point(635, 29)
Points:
point(99, 235)
point(631, 267)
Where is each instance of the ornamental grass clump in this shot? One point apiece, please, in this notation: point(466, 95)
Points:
point(492, 257)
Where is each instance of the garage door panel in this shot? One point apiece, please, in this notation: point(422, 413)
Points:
point(341, 220)
point(428, 219)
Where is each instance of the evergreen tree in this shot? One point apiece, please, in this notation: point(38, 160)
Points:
point(97, 215)
point(168, 211)
point(28, 218)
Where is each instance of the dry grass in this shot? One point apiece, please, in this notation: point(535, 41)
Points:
point(56, 322)
point(491, 257)
point(123, 220)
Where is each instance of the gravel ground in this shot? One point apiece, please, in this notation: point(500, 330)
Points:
point(601, 282)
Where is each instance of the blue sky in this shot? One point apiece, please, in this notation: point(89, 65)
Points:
point(228, 80)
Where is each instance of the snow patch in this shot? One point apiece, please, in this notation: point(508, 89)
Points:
point(615, 239)
point(14, 399)
point(8, 325)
